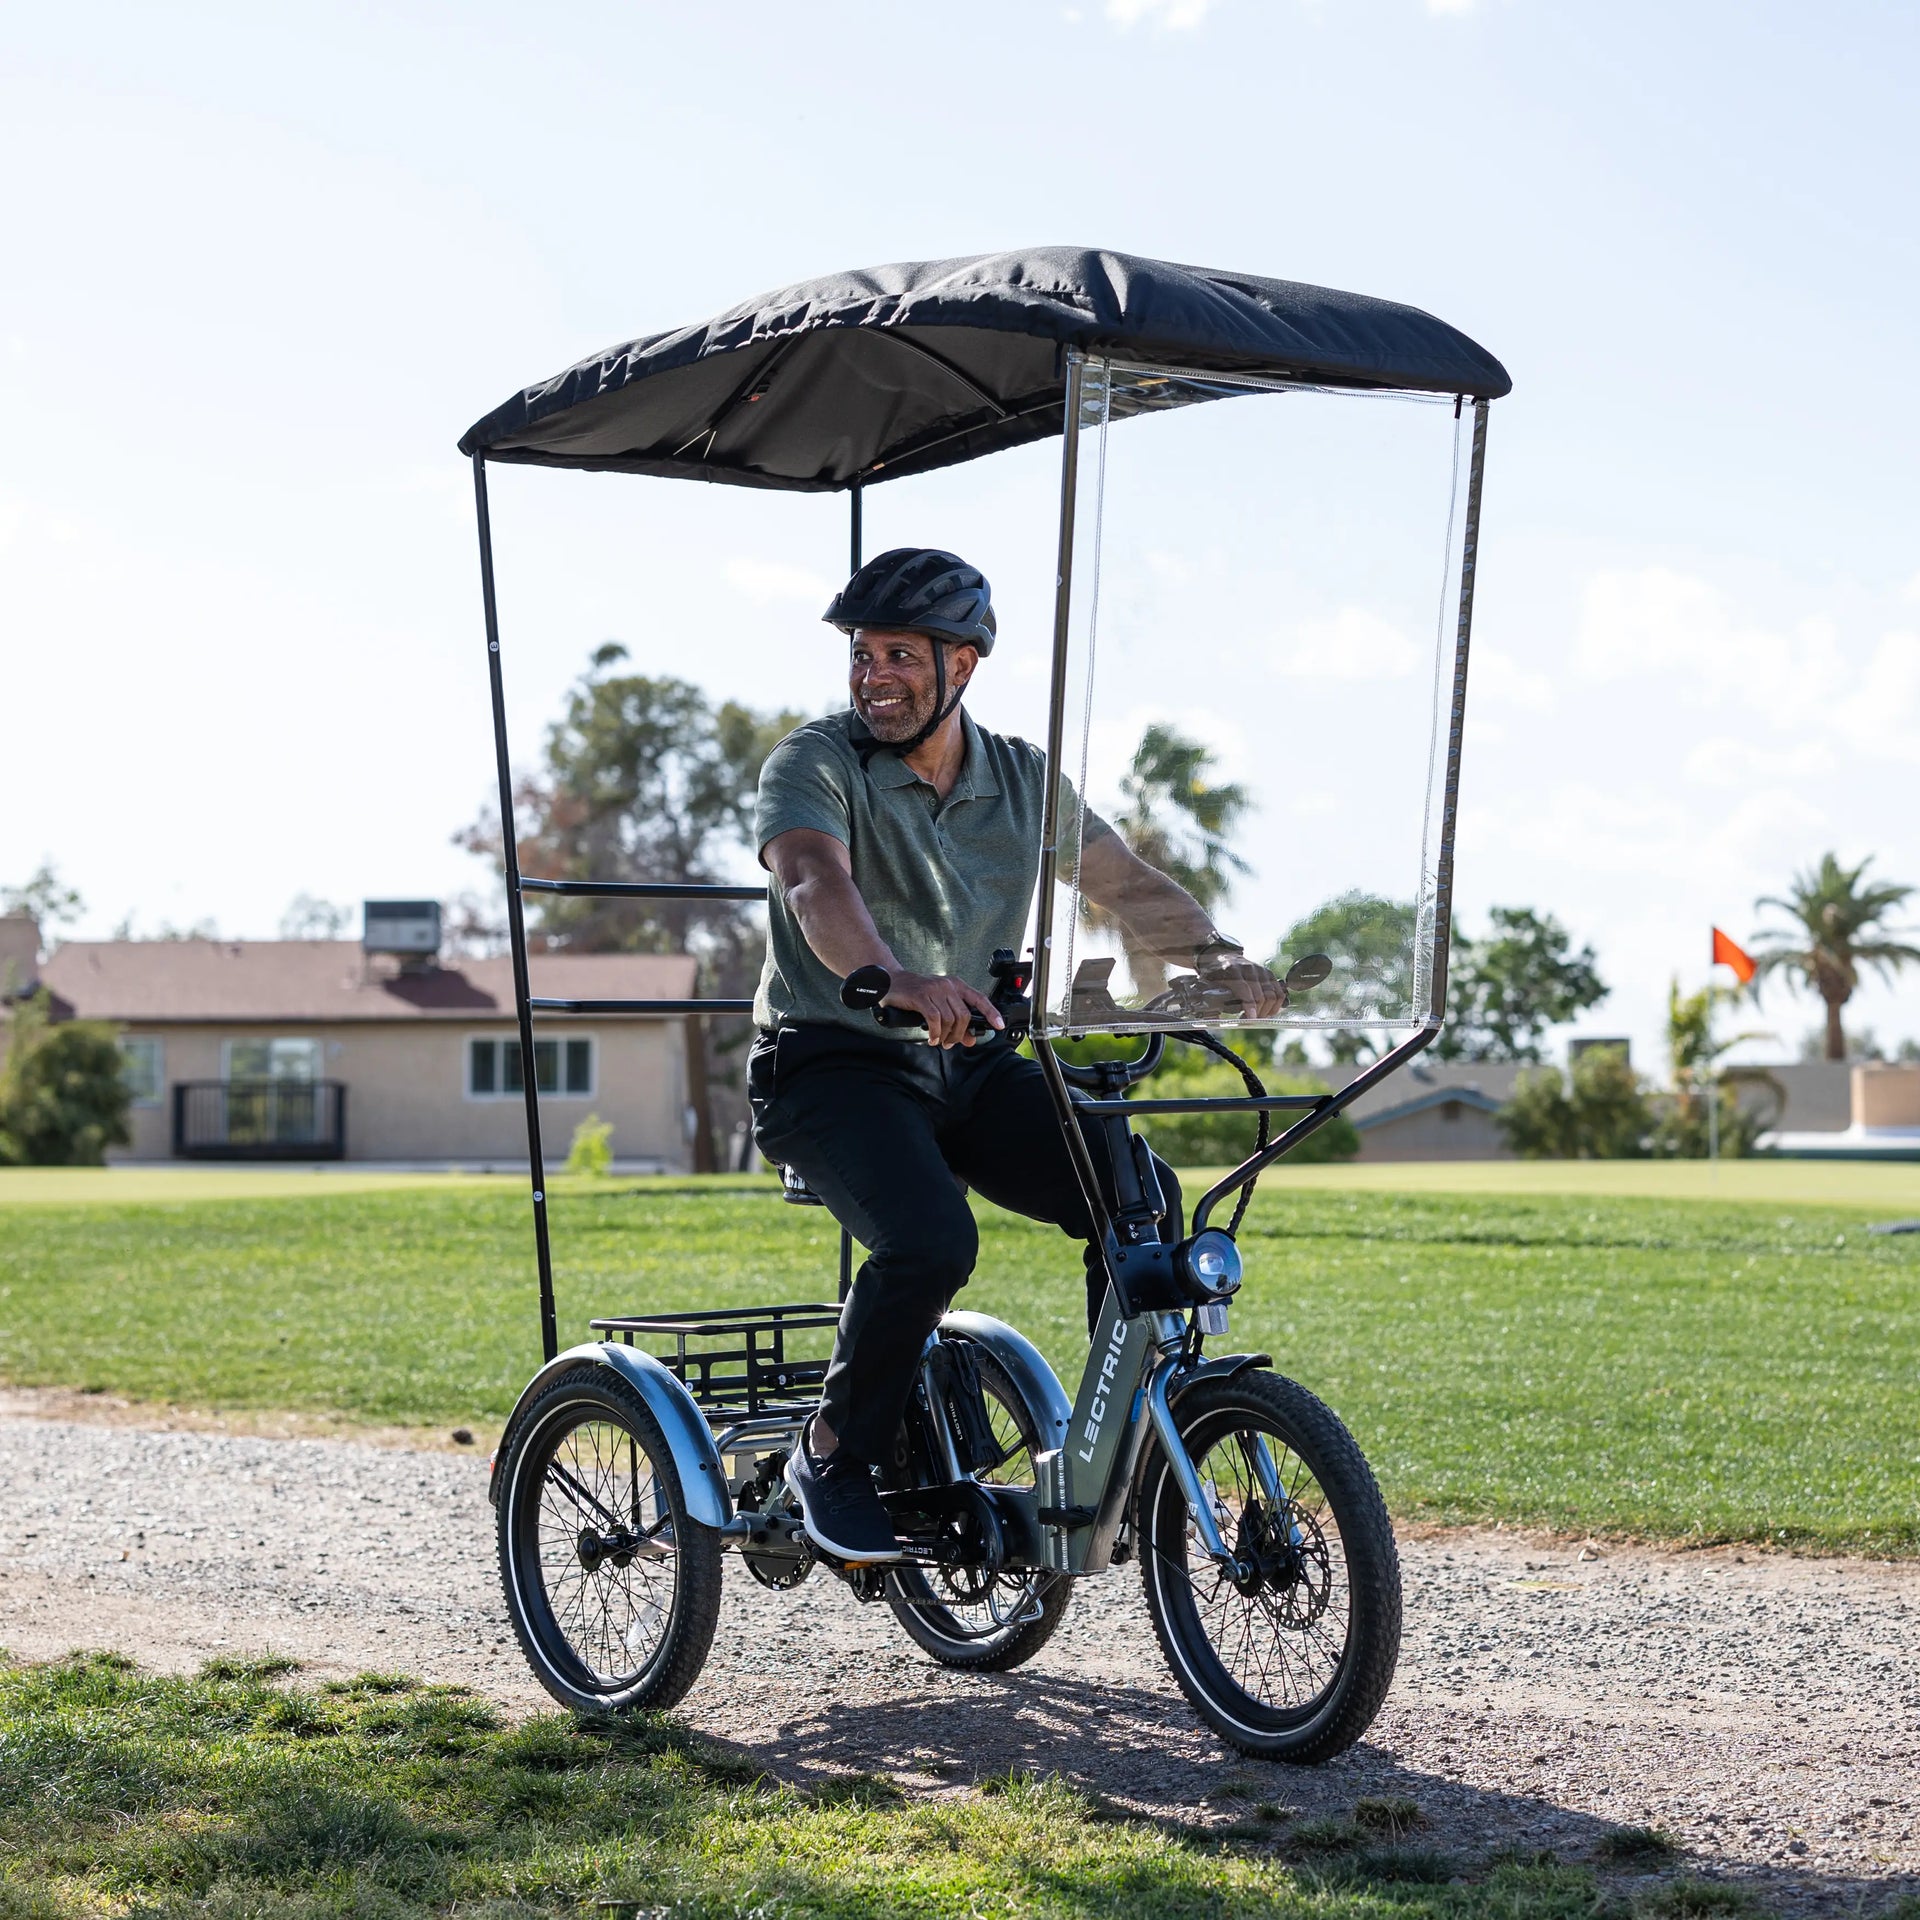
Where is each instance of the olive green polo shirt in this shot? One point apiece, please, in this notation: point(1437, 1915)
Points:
point(947, 881)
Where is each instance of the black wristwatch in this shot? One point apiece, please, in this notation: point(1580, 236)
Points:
point(1215, 949)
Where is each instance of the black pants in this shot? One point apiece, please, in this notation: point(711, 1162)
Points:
point(884, 1131)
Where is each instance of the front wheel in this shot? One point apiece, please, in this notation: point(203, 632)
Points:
point(1290, 1655)
point(613, 1588)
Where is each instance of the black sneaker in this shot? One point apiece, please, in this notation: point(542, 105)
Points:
point(842, 1512)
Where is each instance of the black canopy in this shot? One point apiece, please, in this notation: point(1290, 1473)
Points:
point(895, 370)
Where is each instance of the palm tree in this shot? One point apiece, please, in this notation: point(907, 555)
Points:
point(1840, 927)
point(1175, 821)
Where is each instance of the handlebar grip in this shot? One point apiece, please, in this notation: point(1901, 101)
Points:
point(906, 1017)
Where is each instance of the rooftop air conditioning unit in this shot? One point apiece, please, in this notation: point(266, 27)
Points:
point(407, 927)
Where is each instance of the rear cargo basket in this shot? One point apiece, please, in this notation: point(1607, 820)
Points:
point(736, 1361)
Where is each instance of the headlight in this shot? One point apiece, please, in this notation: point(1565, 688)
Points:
point(1210, 1266)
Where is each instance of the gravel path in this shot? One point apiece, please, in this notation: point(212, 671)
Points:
point(1764, 1710)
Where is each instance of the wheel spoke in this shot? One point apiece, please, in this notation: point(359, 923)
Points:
point(1277, 1625)
point(600, 1499)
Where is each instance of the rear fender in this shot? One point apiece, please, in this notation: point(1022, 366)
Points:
point(1023, 1363)
point(688, 1437)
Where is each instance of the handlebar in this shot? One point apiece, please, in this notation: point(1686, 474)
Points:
point(869, 986)
point(906, 1017)
point(1109, 1076)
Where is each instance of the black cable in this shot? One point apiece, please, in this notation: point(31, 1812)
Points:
point(1256, 1089)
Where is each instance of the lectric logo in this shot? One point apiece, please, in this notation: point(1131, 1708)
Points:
point(1102, 1393)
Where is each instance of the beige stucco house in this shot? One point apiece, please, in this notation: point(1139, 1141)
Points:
point(321, 1049)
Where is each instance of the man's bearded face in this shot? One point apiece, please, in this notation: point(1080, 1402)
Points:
point(890, 675)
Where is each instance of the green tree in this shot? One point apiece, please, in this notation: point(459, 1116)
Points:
point(1689, 1128)
point(46, 896)
point(1370, 941)
point(1839, 927)
point(1177, 820)
point(1598, 1112)
point(63, 1096)
point(644, 779)
point(1506, 988)
point(309, 917)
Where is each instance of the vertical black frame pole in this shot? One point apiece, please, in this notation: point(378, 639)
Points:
point(1456, 725)
point(1050, 812)
point(854, 559)
point(516, 918)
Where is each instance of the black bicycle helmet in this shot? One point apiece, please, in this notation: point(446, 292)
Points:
point(922, 590)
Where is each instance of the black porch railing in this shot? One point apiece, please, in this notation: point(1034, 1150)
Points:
point(259, 1120)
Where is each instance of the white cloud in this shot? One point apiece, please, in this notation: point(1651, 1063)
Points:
point(1882, 716)
point(766, 581)
point(1353, 645)
point(1648, 834)
point(1170, 16)
point(1681, 638)
point(1724, 761)
point(1497, 676)
point(1672, 629)
point(1451, 6)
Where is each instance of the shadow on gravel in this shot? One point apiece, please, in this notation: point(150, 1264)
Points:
point(1363, 1816)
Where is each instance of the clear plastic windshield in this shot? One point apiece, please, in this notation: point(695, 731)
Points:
point(1264, 604)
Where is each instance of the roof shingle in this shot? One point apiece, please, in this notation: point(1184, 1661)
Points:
point(329, 981)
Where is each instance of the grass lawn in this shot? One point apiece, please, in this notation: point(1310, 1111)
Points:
point(1672, 1368)
point(230, 1795)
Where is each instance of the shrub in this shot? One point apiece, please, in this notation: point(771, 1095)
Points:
point(1682, 1129)
point(63, 1095)
point(592, 1148)
point(1602, 1115)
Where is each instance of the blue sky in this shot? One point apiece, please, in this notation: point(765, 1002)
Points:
point(264, 267)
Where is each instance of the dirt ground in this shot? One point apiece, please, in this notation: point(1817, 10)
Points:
point(1763, 1709)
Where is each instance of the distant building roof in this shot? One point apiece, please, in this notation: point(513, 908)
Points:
point(1483, 1084)
point(328, 981)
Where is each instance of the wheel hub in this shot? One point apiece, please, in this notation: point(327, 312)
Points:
point(596, 1549)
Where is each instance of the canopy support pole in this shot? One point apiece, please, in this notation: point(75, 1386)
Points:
point(1456, 722)
point(516, 918)
point(1050, 823)
point(856, 497)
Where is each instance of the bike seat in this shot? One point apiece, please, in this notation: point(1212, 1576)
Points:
point(795, 1191)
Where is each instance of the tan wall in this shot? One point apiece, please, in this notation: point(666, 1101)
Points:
point(1886, 1096)
point(407, 1098)
point(1430, 1135)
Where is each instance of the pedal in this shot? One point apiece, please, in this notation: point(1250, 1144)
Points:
point(1071, 1518)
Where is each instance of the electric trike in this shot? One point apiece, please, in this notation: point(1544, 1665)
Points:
point(638, 1459)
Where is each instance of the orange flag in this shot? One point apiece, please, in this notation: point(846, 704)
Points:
point(1727, 954)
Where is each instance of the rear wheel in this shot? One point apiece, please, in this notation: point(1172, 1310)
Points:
point(613, 1589)
point(1290, 1655)
point(966, 1617)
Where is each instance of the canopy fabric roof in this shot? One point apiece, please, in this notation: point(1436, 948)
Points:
point(888, 371)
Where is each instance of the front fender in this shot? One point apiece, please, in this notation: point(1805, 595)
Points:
point(689, 1438)
point(1026, 1367)
point(1222, 1367)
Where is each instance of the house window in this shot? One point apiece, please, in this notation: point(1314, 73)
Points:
point(270, 1060)
point(143, 1066)
point(562, 1068)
